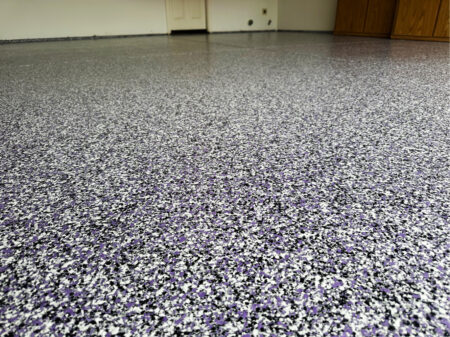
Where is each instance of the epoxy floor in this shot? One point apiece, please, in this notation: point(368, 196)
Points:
point(266, 184)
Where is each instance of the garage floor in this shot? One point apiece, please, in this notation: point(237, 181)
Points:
point(234, 184)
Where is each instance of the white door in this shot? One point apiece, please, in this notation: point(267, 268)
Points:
point(186, 14)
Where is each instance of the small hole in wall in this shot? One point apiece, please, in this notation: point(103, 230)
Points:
point(269, 22)
point(250, 22)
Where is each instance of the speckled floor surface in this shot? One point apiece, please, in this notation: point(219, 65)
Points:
point(232, 185)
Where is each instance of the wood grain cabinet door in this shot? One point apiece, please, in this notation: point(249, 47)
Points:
point(350, 16)
point(380, 16)
point(416, 17)
point(442, 29)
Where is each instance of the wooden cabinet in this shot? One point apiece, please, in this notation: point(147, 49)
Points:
point(416, 17)
point(399, 19)
point(350, 16)
point(441, 29)
point(421, 20)
point(380, 16)
point(365, 17)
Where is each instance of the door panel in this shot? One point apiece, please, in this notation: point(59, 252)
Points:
point(196, 8)
point(416, 17)
point(186, 14)
point(351, 15)
point(442, 29)
point(380, 16)
point(178, 10)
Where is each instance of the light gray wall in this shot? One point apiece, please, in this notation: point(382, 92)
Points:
point(316, 15)
point(233, 15)
point(28, 19)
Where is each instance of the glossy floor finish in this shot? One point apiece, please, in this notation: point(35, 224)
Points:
point(268, 184)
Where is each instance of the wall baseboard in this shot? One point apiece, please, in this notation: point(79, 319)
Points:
point(98, 37)
point(75, 38)
point(420, 38)
point(305, 31)
point(243, 31)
